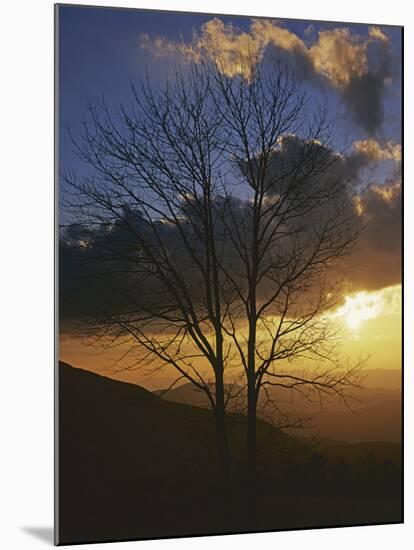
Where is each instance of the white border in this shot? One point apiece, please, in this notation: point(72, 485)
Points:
point(26, 271)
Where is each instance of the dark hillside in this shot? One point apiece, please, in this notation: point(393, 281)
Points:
point(133, 465)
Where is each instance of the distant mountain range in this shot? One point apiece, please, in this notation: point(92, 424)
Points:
point(374, 413)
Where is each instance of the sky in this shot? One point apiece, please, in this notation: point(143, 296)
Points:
point(355, 68)
point(102, 49)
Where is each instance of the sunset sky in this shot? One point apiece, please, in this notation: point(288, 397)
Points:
point(355, 68)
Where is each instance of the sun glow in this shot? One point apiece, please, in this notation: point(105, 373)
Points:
point(364, 306)
point(360, 307)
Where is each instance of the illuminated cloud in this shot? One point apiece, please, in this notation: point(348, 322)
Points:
point(388, 193)
point(373, 151)
point(358, 205)
point(368, 153)
point(216, 40)
point(340, 57)
point(378, 34)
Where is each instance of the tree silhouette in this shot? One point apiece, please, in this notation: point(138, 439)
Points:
point(219, 210)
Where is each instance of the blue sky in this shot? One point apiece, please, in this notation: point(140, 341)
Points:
point(100, 52)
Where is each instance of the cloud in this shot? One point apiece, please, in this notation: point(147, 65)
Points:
point(373, 151)
point(363, 96)
point(105, 271)
point(376, 262)
point(369, 153)
point(216, 39)
point(378, 34)
point(348, 167)
point(340, 56)
point(95, 270)
point(358, 67)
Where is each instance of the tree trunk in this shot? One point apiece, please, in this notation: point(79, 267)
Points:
point(251, 439)
point(251, 394)
point(251, 489)
point(223, 453)
point(251, 428)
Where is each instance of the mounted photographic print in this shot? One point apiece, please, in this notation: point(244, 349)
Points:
point(229, 274)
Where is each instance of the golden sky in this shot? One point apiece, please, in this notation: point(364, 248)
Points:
point(370, 324)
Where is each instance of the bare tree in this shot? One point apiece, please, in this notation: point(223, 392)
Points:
point(220, 208)
point(299, 218)
point(155, 182)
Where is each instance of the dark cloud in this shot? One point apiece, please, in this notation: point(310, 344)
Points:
point(362, 86)
point(105, 270)
point(364, 98)
point(364, 94)
point(377, 259)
